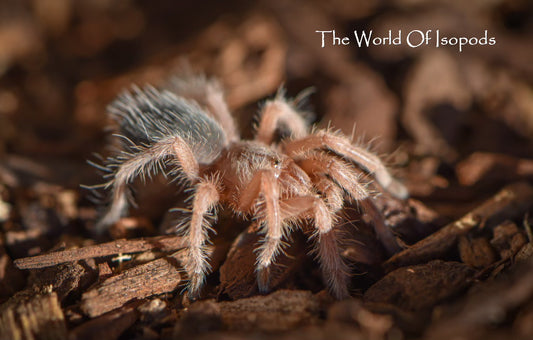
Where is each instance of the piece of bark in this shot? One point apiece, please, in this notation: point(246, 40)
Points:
point(476, 252)
point(39, 317)
point(508, 239)
point(237, 273)
point(419, 287)
point(161, 243)
point(508, 203)
point(152, 278)
point(104, 271)
point(491, 305)
point(65, 279)
point(11, 279)
point(108, 326)
point(281, 310)
point(525, 253)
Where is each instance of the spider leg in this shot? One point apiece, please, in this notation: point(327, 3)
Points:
point(205, 199)
point(333, 194)
point(334, 270)
point(217, 105)
point(140, 163)
point(275, 113)
point(342, 146)
point(265, 183)
point(346, 177)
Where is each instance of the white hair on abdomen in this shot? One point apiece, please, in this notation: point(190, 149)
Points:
point(146, 116)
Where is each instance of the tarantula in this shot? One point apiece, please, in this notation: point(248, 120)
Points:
point(187, 126)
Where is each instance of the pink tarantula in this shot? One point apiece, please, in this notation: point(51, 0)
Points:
point(187, 126)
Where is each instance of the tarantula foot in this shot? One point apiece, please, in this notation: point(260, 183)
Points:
point(334, 270)
point(194, 286)
point(339, 291)
point(263, 279)
point(398, 190)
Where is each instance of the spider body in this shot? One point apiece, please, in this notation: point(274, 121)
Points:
point(243, 160)
point(308, 176)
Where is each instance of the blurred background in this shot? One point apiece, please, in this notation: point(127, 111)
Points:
point(63, 61)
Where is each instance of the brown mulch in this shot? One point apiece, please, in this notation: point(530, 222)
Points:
point(455, 127)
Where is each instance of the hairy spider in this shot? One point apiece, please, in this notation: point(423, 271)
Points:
point(308, 176)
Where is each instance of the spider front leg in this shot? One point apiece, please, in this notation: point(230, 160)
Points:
point(343, 147)
point(265, 184)
point(334, 270)
point(324, 166)
point(206, 197)
point(332, 193)
point(141, 163)
point(279, 112)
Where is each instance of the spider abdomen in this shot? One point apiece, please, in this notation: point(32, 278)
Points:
point(148, 115)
